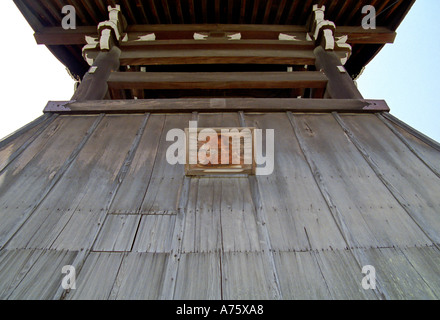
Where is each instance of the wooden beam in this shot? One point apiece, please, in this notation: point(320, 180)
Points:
point(216, 80)
point(221, 56)
point(358, 35)
point(94, 83)
point(217, 44)
point(59, 36)
point(340, 85)
point(218, 105)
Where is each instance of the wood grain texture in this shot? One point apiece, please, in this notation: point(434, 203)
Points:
point(140, 277)
point(78, 200)
point(44, 277)
point(198, 277)
point(408, 178)
point(37, 168)
point(217, 80)
point(161, 193)
point(351, 184)
point(297, 215)
point(95, 281)
point(219, 56)
point(223, 105)
point(128, 199)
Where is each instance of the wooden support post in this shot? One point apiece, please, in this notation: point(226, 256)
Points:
point(340, 85)
point(94, 84)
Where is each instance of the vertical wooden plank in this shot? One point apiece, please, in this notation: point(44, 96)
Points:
point(238, 217)
point(247, 276)
point(117, 233)
point(198, 277)
point(128, 199)
point(409, 180)
point(45, 276)
point(300, 276)
point(426, 260)
point(397, 275)
point(14, 265)
point(57, 148)
point(72, 208)
point(101, 159)
point(10, 151)
point(350, 185)
point(97, 276)
point(263, 233)
point(155, 234)
point(202, 232)
point(295, 209)
point(13, 142)
point(343, 276)
point(140, 277)
point(427, 151)
point(162, 192)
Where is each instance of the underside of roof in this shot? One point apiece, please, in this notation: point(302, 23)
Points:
point(45, 18)
point(96, 192)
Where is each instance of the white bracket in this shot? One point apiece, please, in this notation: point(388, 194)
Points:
point(320, 30)
point(112, 29)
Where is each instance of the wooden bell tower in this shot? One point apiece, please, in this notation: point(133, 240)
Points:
point(89, 184)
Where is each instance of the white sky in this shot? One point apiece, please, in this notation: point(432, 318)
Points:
point(404, 73)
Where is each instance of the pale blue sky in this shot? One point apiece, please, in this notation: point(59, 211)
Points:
point(404, 73)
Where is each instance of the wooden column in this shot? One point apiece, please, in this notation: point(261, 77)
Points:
point(340, 85)
point(94, 84)
point(322, 32)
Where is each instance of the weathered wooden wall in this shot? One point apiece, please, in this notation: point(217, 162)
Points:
point(96, 191)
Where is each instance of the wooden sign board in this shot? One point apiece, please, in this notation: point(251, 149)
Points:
point(212, 151)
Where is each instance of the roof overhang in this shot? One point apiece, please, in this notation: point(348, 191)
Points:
point(181, 18)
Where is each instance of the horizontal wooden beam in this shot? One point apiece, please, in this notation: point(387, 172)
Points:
point(221, 56)
point(358, 35)
point(217, 80)
point(217, 44)
point(217, 105)
point(59, 36)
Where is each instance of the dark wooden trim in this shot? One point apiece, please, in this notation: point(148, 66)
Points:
point(340, 85)
point(217, 80)
point(220, 56)
point(221, 105)
point(216, 44)
point(94, 85)
point(59, 36)
point(356, 35)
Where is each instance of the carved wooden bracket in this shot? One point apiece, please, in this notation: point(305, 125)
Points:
point(323, 33)
point(111, 32)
